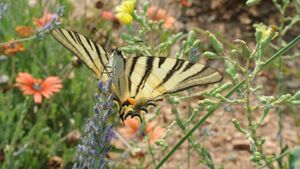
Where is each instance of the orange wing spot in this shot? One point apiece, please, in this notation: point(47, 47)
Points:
point(131, 101)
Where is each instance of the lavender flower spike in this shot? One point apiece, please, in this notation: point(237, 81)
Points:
point(98, 133)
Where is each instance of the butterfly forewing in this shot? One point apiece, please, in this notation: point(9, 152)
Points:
point(91, 53)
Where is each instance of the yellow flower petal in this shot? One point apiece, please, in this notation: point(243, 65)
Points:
point(128, 6)
point(125, 10)
point(124, 18)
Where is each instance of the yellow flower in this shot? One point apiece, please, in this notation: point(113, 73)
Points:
point(265, 31)
point(125, 10)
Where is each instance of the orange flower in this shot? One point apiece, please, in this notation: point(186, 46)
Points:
point(133, 128)
point(46, 18)
point(185, 3)
point(158, 14)
point(107, 15)
point(38, 87)
point(24, 31)
point(13, 48)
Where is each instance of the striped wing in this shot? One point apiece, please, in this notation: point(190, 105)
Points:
point(149, 78)
point(92, 54)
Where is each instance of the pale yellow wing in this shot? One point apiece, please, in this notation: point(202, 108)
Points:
point(149, 78)
point(92, 54)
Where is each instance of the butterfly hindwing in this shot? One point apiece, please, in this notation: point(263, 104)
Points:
point(150, 78)
point(92, 54)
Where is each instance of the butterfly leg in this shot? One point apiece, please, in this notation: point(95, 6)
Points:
point(134, 114)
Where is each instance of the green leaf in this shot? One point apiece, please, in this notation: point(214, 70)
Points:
point(252, 2)
point(209, 54)
point(294, 158)
point(297, 96)
point(215, 42)
point(230, 69)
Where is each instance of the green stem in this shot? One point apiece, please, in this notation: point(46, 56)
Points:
point(18, 40)
point(236, 87)
point(274, 159)
point(281, 51)
point(15, 136)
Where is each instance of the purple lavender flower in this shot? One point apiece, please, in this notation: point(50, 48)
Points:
point(54, 22)
point(3, 8)
point(98, 133)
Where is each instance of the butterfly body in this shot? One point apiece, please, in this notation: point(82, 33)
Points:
point(138, 82)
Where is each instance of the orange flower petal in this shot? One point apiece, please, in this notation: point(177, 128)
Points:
point(169, 21)
point(156, 134)
point(158, 14)
point(37, 97)
point(25, 78)
point(43, 20)
point(107, 15)
point(185, 3)
point(150, 127)
point(47, 94)
point(24, 31)
point(27, 90)
point(52, 84)
point(133, 124)
point(13, 48)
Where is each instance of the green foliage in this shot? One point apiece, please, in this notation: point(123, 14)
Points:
point(294, 158)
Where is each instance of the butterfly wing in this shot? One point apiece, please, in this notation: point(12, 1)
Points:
point(92, 54)
point(149, 78)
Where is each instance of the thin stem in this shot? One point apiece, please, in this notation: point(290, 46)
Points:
point(18, 40)
point(274, 159)
point(151, 153)
point(281, 51)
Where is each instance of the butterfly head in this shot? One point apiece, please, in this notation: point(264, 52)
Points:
point(117, 51)
point(131, 108)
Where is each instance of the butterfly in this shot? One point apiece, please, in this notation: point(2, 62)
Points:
point(138, 82)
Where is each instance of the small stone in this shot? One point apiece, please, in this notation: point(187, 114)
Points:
point(190, 12)
point(241, 145)
point(245, 19)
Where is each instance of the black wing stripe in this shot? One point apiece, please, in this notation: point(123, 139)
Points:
point(149, 65)
point(71, 35)
point(161, 61)
point(119, 85)
point(195, 74)
point(134, 60)
point(85, 49)
point(89, 42)
point(188, 66)
point(182, 89)
point(99, 54)
point(67, 39)
point(171, 72)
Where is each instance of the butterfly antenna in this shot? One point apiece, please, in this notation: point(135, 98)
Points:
point(101, 35)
